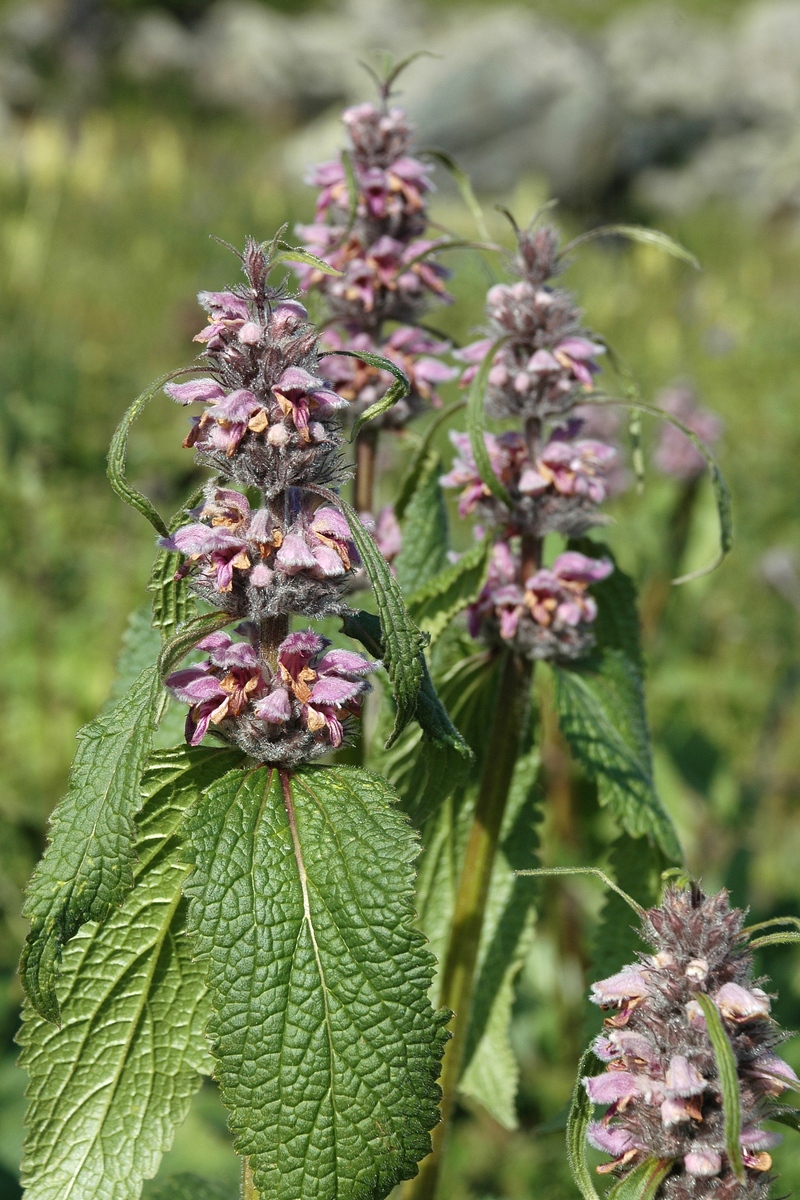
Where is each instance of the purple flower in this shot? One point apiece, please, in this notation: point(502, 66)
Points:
point(571, 468)
point(227, 313)
point(202, 390)
point(739, 1004)
point(219, 688)
point(509, 460)
point(300, 394)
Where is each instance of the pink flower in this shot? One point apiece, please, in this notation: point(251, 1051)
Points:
point(738, 1004)
point(703, 1163)
point(299, 394)
point(675, 455)
point(571, 468)
point(221, 687)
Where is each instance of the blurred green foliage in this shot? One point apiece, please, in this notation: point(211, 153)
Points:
point(104, 229)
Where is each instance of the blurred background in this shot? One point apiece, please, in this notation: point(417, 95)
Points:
point(130, 133)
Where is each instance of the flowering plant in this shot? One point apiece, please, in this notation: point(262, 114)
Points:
point(327, 912)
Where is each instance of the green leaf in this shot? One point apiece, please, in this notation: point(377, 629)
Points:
point(400, 388)
point(775, 939)
point(430, 758)
point(141, 644)
point(88, 865)
point(728, 1079)
point(326, 1045)
point(187, 638)
point(296, 254)
point(187, 1186)
point(402, 642)
point(580, 1114)
point(425, 530)
point(464, 185)
point(476, 426)
point(490, 1073)
point(411, 479)
point(788, 1117)
point(118, 450)
point(722, 495)
point(173, 602)
point(601, 711)
point(643, 1181)
point(434, 605)
point(636, 233)
point(108, 1088)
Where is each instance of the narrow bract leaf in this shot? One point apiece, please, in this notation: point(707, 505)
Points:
point(118, 450)
point(636, 233)
point(109, 1087)
point(425, 530)
point(580, 1114)
point(775, 939)
point(187, 638)
point(790, 1118)
point(476, 425)
point(410, 482)
point(296, 254)
point(400, 388)
point(728, 1079)
point(464, 185)
point(88, 865)
point(449, 592)
point(402, 642)
point(722, 495)
point(643, 1181)
point(326, 1046)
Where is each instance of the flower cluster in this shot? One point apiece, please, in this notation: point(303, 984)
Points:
point(554, 475)
point(270, 421)
point(675, 455)
point(387, 272)
point(283, 712)
point(661, 1082)
point(550, 614)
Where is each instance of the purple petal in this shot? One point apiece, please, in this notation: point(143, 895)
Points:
point(197, 390)
point(683, 1078)
point(329, 564)
point(628, 984)
point(611, 1086)
point(738, 1004)
point(294, 555)
point(332, 523)
point(238, 407)
point(275, 708)
point(579, 568)
point(703, 1163)
point(613, 1140)
point(333, 691)
point(345, 662)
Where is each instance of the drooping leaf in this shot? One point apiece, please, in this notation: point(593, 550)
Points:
point(601, 710)
point(400, 388)
point(425, 530)
point(326, 1045)
point(403, 643)
point(88, 865)
point(636, 233)
point(434, 605)
point(416, 467)
point(118, 451)
point(722, 495)
point(643, 1181)
point(788, 1117)
point(728, 1080)
point(109, 1087)
point(187, 1186)
point(580, 1114)
point(476, 426)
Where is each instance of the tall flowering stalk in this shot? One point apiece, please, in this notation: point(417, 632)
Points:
point(371, 224)
point(666, 1098)
point(270, 420)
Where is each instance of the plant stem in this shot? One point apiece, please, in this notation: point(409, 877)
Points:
point(366, 451)
point(249, 1191)
point(458, 976)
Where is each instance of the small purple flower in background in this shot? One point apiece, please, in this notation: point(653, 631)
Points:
point(675, 455)
point(660, 1083)
point(295, 711)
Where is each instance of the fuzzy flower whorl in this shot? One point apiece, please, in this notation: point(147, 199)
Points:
point(660, 1081)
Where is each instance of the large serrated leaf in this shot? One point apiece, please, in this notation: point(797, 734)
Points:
point(425, 532)
point(728, 1081)
point(88, 865)
point(601, 710)
point(326, 1045)
point(187, 1186)
point(434, 605)
point(111, 1084)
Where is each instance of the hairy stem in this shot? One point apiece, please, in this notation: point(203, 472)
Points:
point(249, 1191)
point(366, 452)
point(458, 976)
point(271, 632)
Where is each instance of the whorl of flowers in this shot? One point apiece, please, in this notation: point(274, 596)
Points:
point(270, 421)
point(554, 477)
point(660, 1082)
point(376, 241)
